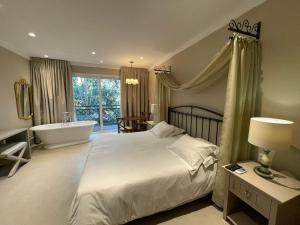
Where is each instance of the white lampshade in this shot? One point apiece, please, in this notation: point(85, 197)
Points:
point(155, 112)
point(270, 133)
point(154, 108)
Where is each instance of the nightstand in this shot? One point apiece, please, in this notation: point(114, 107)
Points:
point(253, 200)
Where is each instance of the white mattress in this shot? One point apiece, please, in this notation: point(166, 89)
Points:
point(129, 176)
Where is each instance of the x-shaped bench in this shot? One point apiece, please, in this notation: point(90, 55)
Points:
point(8, 152)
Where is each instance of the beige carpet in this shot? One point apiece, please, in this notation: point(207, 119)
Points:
point(42, 190)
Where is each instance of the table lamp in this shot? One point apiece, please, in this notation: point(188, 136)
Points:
point(269, 134)
point(154, 111)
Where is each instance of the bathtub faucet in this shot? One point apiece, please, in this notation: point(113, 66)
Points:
point(67, 118)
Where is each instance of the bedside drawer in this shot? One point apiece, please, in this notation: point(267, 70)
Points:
point(249, 194)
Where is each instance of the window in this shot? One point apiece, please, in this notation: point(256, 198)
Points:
point(97, 99)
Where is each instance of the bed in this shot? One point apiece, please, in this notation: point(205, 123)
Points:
point(129, 176)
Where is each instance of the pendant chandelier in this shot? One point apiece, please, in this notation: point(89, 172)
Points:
point(131, 81)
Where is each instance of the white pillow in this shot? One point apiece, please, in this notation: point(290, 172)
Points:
point(176, 131)
point(210, 160)
point(163, 130)
point(193, 151)
point(216, 150)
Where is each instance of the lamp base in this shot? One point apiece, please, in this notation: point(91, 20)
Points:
point(263, 172)
point(263, 169)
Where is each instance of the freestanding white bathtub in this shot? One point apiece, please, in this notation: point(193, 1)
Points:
point(63, 134)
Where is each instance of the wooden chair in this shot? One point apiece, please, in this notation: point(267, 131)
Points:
point(122, 127)
point(146, 115)
point(142, 125)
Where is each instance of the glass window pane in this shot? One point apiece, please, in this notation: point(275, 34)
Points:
point(110, 102)
point(86, 99)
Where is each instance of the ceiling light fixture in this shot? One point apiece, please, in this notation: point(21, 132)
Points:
point(101, 61)
point(31, 34)
point(93, 53)
point(131, 81)
point(46, 56)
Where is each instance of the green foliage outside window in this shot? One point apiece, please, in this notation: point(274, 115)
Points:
point(110, 100)
point(86, 99)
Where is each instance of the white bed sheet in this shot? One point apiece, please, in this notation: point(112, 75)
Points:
point(129, 176)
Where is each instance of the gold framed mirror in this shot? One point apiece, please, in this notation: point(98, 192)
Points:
point(23, 93)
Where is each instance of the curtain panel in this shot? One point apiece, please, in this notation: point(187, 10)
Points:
point(52, 90)
point(162, 98)
point(134, 98)
point(240, 59)
point(241, 99)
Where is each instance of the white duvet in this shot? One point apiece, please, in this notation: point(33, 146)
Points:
point(129, 176)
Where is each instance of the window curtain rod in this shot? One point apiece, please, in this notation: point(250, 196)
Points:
point(245, 28)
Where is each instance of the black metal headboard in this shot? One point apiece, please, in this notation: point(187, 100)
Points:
point(197, 121)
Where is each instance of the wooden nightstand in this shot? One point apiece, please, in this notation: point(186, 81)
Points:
point(253, 200)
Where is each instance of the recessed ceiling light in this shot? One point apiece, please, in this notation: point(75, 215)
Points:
point(46, 56)
point(142, 57)
point(31, 34)
point(93, 53)
point(101, 61)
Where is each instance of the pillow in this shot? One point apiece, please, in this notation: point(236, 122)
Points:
point(176, 131)
point(163, 130)
point(216, 149)
point(192, 151)
point(210, 160)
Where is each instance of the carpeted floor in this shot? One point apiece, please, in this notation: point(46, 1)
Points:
point(41, 192)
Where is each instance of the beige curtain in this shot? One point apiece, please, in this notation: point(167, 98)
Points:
point(52, 89)
point(242, 87)
point(217, 68)
point(134, 98)
point(162, 98)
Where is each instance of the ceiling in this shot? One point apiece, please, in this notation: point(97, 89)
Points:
point(117, 30)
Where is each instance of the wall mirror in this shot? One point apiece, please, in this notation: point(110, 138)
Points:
point(23, 94)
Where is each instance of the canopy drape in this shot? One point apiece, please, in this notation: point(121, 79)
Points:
point(216, 69)
point(134, 98)
point(52, 90)
point(240, 59)
point(212, 72)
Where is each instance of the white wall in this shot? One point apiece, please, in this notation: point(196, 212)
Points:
point(280, 86)
point(187, 64)
point(94, 70)
point(281, 70)
point(12, 68)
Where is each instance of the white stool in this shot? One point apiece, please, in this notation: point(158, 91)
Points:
point(7, 152)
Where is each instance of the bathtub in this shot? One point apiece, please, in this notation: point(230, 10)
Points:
point(63, 134)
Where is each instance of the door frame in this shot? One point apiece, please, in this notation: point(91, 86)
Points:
point(99, 77)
